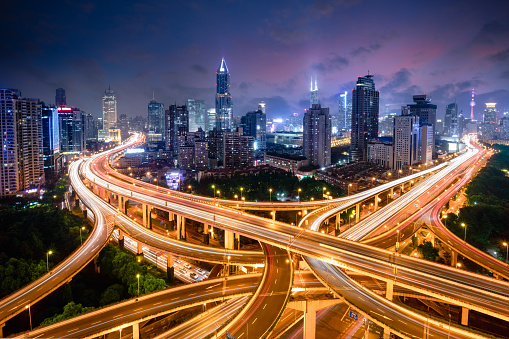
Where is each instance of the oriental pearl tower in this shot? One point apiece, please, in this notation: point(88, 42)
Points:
point(472, 104)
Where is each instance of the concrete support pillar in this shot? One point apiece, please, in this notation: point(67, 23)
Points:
point(120, 239)
point(464, 316)
point(376, 203)
point(140, 249)
point(136, 331)
point(183, 227)
point(389, 289)
point(144, 211)
point(229, 242)
point(338, 221)
point(310, 324)
point(273, 215)
point(392, 192)
point(178, 221)
point(205, 229)
point(170, 270)
point(432, 239)
point(120, 203)
point(237, 241)
point(454, 258)
point(2, 330)
point(357, 212)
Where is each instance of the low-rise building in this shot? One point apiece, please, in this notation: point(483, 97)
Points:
point(289, 163)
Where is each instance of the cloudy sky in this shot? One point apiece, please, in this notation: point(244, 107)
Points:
point(272, 48)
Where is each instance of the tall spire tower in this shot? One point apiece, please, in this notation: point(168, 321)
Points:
point(472, 104)
point(224, 105)
point(313, 96)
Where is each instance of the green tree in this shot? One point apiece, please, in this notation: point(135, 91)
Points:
point(113, 294)
point(70, 310)
point(427, 251)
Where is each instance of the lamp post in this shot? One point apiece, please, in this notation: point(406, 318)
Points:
point(241, 189)
point(138, 277)
point(445, 218)
point(270, 194)
point(297, 217)
point(236, 197)
point(47, 259)
point(506, 251)
point(349, 185)
point(29, 316)
point(397, 240)
point(464, 226)
point(323, 193)
point(81, 228)
point(298, 194)
point(214, 189)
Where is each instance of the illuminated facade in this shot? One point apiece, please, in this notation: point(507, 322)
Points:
point(317, 136)
point(109, 110)
point(224, 105)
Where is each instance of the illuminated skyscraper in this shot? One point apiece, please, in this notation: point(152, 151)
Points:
point(451, 120)
point(313, 93)
point(224, 105)
point(197, 114)
point(155, 116)
point(345, 112)
point(365, 107)
point(425, 110)
point(109, 110)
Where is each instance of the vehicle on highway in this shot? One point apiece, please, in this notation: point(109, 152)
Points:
point(186, 265)
point(193, 275)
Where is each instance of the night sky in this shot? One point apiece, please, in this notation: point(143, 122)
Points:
point(272, 48)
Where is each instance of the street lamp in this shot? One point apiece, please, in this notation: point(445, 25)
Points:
point(323, 192)
point(349, 185)
point(236, 197)
point(445, 217)
point(506, 251)
point(47, 259)
point(465, 226)
point(397, 240)
point(29, 316)
point(270, 194)
point(138, 276)
point(298, 194)
point(81, 228)
point(241, 189)
point(297, 217)
point(214, 189)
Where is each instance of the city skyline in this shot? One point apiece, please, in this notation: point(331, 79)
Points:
point(91, 50)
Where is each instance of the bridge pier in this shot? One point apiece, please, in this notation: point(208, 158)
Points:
point(136, 331)
point(170, 270)
point(181, 227)
point(139, 251)
point(376, 203)
point(454, 258)
point(357, 212)
point(120, 239)
point(464, 316)
point(389, 289)
point(392, 192)
point(237, 241)
point(229, 240)
point(273, 213)
point(310, 307)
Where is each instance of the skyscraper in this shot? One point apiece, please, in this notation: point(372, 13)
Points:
point(425, 110)
point(317, 136)
point(345, 111)
point(72, 127)
point(50, 140)
point(197, 114)
point(211, 119)
point(255, 124)
point(155, 117)
point(313, 93)
point(451, 119)
point(21, 153)
point(176, 128)
point(365, 108)
point(490, 113)
point(109, 110)
point(60, 99)
point(237, 149)
point(406, 141)
point(224, 105)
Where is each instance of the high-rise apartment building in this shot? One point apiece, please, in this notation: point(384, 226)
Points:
point(405, 141)
point(224, 104)
point(313, 93)
point(317, 136)
point(365, 109)
point(197, 114)
point(109, 102)
point(237, 149)
point(50, 141)
point(21, 153)
point(60, 99)
point(201, 155)
point(91, 127)
point(255, 124)
point(155, 117)
point(489, 121)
